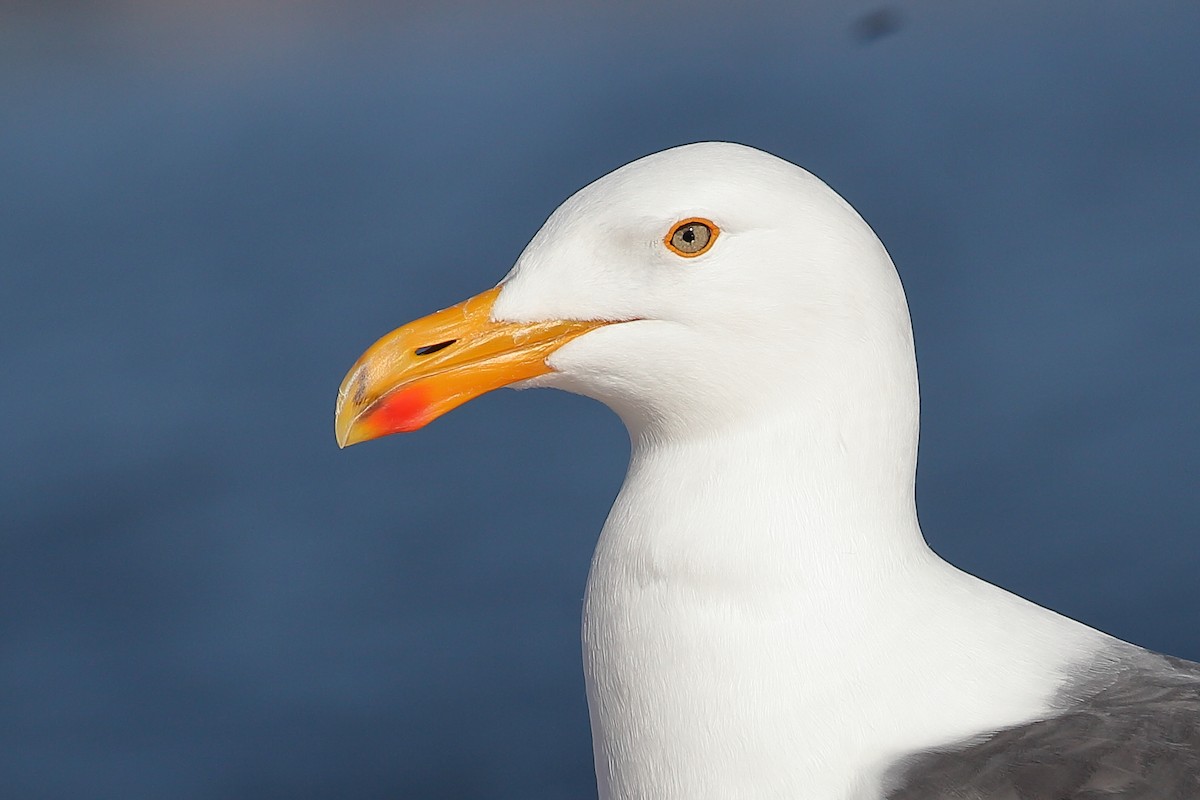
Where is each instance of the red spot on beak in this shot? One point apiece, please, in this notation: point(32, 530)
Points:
point(399, 412)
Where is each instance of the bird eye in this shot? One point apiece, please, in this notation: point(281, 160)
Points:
point(691, 237)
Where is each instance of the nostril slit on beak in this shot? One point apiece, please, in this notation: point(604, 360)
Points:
point(433, 348)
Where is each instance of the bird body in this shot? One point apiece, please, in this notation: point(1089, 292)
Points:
point(763, 617)
point(734, 651)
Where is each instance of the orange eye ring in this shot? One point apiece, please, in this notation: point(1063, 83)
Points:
point(691, 237)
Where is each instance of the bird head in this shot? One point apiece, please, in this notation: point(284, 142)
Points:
point(687, 289)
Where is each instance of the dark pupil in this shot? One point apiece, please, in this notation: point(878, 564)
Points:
point(689, 234)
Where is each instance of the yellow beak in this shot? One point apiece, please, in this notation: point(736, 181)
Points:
point(418, 372)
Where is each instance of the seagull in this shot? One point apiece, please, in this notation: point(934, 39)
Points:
point(763, 617)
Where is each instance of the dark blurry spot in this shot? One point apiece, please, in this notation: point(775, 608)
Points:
point(360, 386)
point(877, 24)
point(433, 348)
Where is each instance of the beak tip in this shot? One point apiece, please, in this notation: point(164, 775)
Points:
point(345, 436)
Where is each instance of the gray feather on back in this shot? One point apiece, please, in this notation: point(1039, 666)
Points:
point(1128, 730)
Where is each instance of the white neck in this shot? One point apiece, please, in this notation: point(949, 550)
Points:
point(761, 598)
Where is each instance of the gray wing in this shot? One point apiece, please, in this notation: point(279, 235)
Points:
point(1136, 738)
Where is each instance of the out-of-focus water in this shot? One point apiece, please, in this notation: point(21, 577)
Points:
point(206, 216)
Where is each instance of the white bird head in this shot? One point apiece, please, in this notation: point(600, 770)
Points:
point(694, 288)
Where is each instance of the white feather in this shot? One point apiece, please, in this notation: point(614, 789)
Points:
point(763, 617)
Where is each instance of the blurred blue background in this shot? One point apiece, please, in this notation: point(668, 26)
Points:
point(206, 213)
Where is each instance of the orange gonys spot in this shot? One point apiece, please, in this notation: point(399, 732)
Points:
point(399, 412)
